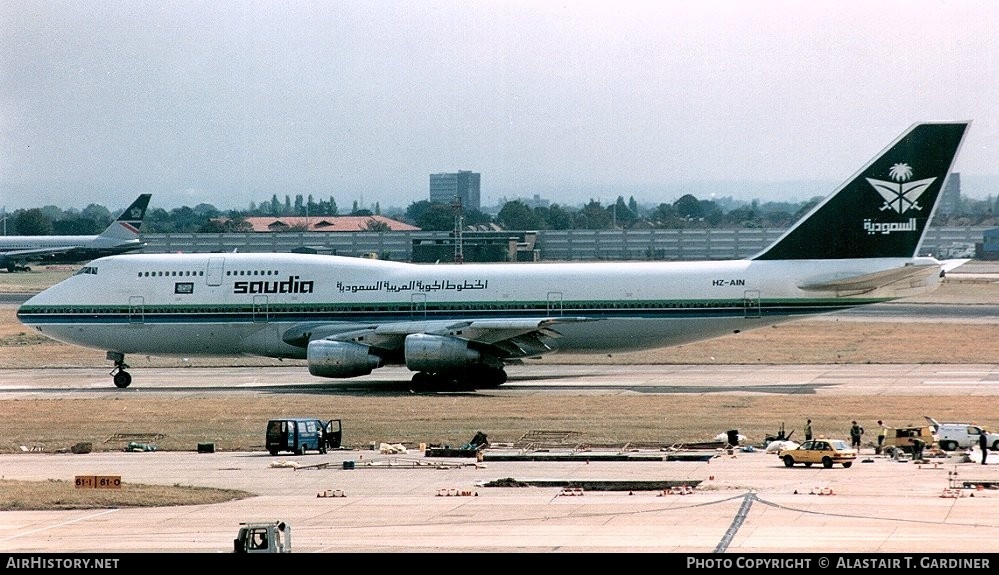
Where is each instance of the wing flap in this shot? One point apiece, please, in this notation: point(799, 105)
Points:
point(495, 331)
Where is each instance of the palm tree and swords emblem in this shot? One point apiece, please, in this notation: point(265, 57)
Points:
point(901, 195)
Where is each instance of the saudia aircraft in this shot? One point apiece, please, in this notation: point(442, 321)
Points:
point(460, 325)
point(120, 237)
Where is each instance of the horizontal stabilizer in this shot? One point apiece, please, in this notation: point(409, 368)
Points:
point(951, 264)
point(869, 282)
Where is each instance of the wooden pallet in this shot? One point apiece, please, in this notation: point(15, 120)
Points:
point(137, 437)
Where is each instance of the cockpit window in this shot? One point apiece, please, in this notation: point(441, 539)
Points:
point(92, 270)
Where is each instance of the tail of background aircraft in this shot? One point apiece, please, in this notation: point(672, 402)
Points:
point(882, 211)
point(126, 227)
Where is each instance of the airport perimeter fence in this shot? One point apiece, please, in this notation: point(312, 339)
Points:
point(551, 245)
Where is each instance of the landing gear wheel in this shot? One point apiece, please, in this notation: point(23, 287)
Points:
point(435, 380)
point(488, 377)
point(122, 379)
point(481, 377)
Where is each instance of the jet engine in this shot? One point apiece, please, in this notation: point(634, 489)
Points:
point(340, 359)
point(435, 353)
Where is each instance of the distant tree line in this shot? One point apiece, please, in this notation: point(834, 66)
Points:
point(686, 212)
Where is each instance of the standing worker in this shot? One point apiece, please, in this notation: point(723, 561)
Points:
point(882, 433)
point(855, 432)
point(917, 449)
point(808, 430)
point(983, 443)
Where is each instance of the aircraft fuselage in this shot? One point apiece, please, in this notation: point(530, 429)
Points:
point(224, 304)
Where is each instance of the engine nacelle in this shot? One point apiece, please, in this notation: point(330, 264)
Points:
point(435, 353)
point(340, 359)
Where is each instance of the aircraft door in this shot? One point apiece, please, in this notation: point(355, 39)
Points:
point(260, 311)
point(213, 276)
point(554, 303)
point(136, 310)
point(418, 306)
point(751, 303)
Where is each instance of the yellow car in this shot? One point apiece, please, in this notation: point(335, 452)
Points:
point(828, 452)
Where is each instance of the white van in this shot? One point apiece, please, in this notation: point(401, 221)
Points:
point(952, 436)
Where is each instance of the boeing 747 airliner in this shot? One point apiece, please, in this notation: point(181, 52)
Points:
point(461, 324)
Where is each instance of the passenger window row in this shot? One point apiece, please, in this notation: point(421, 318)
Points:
point(251, 273)
point(188, 273)
point(159, 274)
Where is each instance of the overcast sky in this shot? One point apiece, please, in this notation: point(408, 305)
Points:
point(227, 102)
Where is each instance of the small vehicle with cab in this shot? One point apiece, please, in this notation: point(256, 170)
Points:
point(263, 537)
point(954, 436)
point(900, 440)
point(301, 434)
point(827, 452)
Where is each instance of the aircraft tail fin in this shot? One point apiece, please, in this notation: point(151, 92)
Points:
point(126, 226)
point(882, 211)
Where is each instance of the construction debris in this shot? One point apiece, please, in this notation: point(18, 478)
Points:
point(598, 485)
point(470, 449)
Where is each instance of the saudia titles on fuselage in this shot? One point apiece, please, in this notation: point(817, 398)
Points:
point(291, 285)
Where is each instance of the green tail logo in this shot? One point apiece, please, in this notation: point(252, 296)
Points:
point(881, 212)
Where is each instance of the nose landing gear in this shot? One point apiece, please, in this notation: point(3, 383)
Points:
point(122, 378)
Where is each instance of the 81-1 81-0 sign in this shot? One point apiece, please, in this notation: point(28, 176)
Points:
point(98, 481)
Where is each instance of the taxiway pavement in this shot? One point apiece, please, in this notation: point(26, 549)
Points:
point(745, 501)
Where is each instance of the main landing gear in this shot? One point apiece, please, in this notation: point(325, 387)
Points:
point(122, 378)
point(471, 378)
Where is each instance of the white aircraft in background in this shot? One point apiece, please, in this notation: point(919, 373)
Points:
point(120, 237)
point(459, 325)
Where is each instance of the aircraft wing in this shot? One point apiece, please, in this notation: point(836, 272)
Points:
point(15, 254)
point(502, 338)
